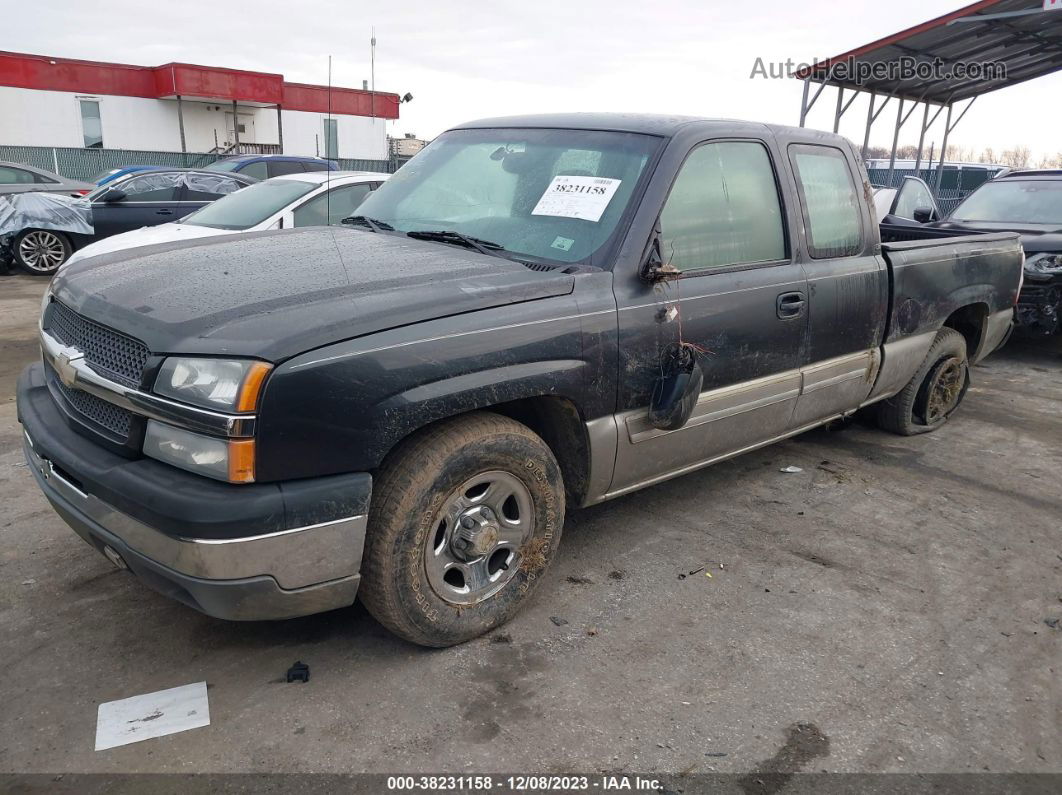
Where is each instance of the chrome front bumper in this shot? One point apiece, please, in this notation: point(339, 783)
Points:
point(276, 575)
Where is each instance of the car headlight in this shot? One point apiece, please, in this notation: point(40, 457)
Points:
point(219, 384)
point(1044, 263)
point(231, 460)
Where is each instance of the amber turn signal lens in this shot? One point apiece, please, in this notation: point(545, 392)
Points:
point(252, 386)
point(241, 461)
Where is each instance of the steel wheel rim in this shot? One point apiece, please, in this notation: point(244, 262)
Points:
point(474, 548)
point(41, 251)
point(944, 389)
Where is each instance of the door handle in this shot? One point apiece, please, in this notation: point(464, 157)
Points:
point(163, 212)
point(790, 305)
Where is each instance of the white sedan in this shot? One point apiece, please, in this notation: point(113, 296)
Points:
point(315, 198)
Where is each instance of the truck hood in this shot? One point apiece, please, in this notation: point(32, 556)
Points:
point(273, 295)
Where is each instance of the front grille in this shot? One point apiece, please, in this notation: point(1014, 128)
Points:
point(98, 411)
point(106, 351)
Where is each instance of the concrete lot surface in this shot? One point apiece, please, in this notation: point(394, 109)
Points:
point(898, 599)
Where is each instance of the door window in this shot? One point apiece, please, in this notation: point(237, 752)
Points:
point(151, 187)
point(278, 168)
point(723, 209)
point(14, 176)
point(912, 196)
point(332, 207)
point(832, 212)
point(208, 187)
point(258, 169)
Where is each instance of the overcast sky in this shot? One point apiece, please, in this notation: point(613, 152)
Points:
point(463, 59)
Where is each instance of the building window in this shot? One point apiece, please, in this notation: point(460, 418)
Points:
point(91, 125)
point(331, 138)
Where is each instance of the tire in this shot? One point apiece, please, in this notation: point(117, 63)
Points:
point(41, 251)
point(437, 536)
point(933, 393)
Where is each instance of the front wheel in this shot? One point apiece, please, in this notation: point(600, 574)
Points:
point(41, 251)
point(934, 392)
point(465, 518)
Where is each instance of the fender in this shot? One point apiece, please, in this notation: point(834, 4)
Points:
point(369, 393)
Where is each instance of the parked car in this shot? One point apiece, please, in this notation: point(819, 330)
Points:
point(134, 201)
point(317, 198)
point(266, 166)
point(20, 178)
point(909, 205)
point(1030, 203)
point(112, 174)
point(535, 314)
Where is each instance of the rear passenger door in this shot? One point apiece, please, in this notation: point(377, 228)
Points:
point(741, 297)
point(847, 282)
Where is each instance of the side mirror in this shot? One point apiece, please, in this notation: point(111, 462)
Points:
point(653, 268)
point(114, 195)
point(924, 215)
point(676, 390)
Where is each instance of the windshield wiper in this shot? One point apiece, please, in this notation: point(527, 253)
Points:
point(369, 223)
point(459, 239)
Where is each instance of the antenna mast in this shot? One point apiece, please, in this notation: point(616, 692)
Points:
point(328, 132)
point(372, 73)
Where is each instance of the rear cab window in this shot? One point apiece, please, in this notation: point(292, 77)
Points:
point(829, 199)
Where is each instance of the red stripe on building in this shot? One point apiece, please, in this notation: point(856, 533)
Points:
point(348, 101)
point(43, 73)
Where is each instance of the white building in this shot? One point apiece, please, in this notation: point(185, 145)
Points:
point(185, 108)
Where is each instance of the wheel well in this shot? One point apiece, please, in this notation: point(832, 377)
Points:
point(970, 322)
point(558, 421)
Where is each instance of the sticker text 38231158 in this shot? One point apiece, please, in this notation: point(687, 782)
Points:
point(577, 197)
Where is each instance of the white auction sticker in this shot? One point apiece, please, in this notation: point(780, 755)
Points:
point(577, 197)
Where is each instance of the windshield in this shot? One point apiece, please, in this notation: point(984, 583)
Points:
point(1014, 201)
point(555, 195)
point(223, 165)
point(250, 206)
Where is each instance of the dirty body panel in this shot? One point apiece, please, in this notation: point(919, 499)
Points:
point(796, 313)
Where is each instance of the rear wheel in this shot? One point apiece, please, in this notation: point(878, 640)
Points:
point(465, 518)
point(41, 251)
point(933, 393)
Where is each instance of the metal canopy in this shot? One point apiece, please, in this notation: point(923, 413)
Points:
point(1020, 35)
point(1028, 44)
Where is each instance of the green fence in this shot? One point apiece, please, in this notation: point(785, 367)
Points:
point(85, 164)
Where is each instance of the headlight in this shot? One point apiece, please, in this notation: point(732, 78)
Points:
point(231, 460)
point(1044, 263)
point(219, 384)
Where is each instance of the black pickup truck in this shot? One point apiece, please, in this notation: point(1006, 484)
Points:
point(534, 314)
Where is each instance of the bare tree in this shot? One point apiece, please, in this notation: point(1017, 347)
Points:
point(1017, 157)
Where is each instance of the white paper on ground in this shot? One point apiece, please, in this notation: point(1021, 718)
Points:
point(577, 197)
point(130, 720)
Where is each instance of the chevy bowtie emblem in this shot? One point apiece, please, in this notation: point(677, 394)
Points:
point(64, 368)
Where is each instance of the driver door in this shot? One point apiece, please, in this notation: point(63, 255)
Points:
point(150, 199)
point(740, 298)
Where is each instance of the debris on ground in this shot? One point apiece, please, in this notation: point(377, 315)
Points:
point(1052, 622)
point(299, 672)
point(501, 637)
point(617, 574)
point(591, 631)
point(560, 622)
point(130, 720)
point(580, 580)
point(791, 469)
